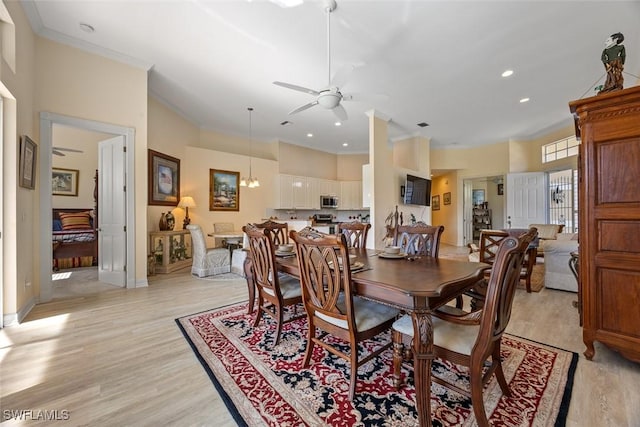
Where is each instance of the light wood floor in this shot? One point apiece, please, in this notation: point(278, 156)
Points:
point(117, 358)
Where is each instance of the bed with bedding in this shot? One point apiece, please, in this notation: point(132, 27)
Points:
point(74, 236)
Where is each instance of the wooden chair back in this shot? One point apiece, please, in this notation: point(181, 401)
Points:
point(355, 232)
point(501, 287)
point(419, 238)
point(279, 231)
point(322, 283)
point(489, 243)
point(263, 259)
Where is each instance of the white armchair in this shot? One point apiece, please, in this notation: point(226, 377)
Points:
point(207, 262)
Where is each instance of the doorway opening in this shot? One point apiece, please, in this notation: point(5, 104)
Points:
point(47, 123)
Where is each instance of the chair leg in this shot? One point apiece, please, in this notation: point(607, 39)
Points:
point(398, 356)
point(495, 356)
point(307, 354)
point(354, 370)
point(476, 396)
point(279, 316)
point(259, 312)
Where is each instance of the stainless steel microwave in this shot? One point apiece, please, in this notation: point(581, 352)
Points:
point(328, 202)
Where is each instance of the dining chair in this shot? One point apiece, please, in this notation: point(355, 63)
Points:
point(489, 241)
point(355, 232)
point(280, 236)
point(275, 291)
point(279, 231)
point(330, 303)
point(418, 239)
point(471, 338)
point(207, 261)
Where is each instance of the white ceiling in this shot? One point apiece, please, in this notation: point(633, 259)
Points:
point(434, 61)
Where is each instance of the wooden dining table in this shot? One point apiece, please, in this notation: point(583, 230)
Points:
point(417, 286)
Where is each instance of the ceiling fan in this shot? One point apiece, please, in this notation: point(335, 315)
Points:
point(329, 97)
point(58, 151)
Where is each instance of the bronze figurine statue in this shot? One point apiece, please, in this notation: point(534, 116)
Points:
point(613, 57)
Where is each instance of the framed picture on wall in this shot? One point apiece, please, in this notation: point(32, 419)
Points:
point(446, 198)
point(224, 190)
point(500, 189)
point(164, 179)
point(28, 152)
point(64, 182)
point(435, 203)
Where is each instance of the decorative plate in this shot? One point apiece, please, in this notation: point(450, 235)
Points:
point(391, 256)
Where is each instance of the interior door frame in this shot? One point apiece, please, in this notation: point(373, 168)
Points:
point(47, 120)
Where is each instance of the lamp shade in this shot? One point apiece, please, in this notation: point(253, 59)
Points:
point(187, 202)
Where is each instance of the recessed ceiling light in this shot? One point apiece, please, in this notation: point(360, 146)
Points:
point(523, 100)
point(87, 28)
point(338, 123)
point(507, 73)
point(309, 135)
point(345, 144)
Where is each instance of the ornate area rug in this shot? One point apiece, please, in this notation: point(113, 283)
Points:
point(264, 385)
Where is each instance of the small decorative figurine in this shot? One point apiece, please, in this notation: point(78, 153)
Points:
point(613, 57)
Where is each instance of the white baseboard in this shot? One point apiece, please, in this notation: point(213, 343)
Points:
point(12, 319)
point(142, 283)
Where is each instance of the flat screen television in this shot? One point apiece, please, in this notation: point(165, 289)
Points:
point(417, 191)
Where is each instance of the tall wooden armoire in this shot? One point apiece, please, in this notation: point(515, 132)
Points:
point(609, 227)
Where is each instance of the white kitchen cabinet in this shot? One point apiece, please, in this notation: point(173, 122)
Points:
point(350, 195)
point(297, 192)
point(328, 187)
point(284, 199)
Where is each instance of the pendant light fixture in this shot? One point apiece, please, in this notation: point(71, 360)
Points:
point(251, 182)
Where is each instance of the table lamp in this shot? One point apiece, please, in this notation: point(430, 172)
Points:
point(186, 202)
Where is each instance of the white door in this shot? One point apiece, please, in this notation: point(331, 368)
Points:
point(112, 218)
point(467, 206)
point(526, 199)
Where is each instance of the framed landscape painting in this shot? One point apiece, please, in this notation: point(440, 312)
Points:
point(224, 190)
point(164, 179)
point(64, 182)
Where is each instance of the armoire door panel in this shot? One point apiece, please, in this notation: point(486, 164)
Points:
point(619, 236)
point(618, 171)
point(619, 293)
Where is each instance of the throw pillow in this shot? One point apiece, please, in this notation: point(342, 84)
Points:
point(75, 220)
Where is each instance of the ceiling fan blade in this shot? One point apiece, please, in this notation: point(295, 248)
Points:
point(72, 150)
point(341, 77)
point(304, 107)
point(340, 112)
point(298, 88)
point(57, 153)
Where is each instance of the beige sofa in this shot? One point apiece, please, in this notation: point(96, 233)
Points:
point(557, 274)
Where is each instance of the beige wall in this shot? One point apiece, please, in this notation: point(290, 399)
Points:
point(19, 204)
point(195, 181)
point(85, 163)
point(349, 166)
point(447, 215)
point(78, 84)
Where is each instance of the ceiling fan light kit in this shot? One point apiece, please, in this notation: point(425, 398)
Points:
point(329, 97)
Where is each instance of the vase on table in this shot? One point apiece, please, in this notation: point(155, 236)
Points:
point(171, 221)
point(162, 225)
